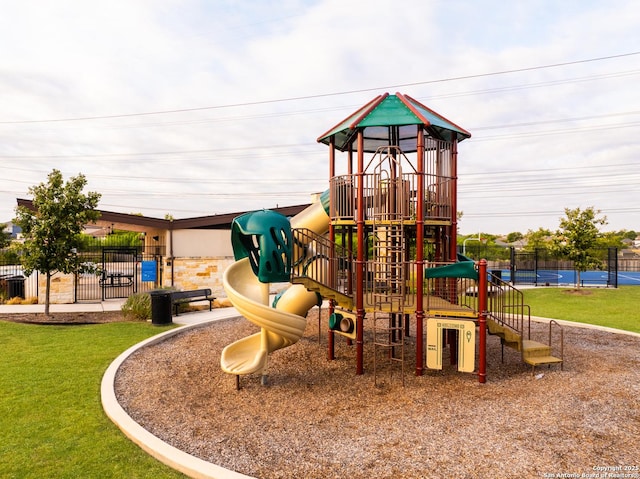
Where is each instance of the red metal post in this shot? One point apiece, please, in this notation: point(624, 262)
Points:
point(453, 240)
point(360, 259)
point(420, 197)
point(482, 321)
point(332, 172)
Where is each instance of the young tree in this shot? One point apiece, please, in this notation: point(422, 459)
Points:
point(577, 235)
point(51, 231)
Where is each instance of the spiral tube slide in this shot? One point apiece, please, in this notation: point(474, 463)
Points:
point(281, 326)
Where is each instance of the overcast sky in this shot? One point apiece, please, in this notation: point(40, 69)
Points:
point(193, 108)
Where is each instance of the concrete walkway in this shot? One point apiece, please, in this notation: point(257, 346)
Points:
point(190, 318)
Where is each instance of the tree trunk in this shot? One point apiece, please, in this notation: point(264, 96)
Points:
point(577, 278)
point(47, 294)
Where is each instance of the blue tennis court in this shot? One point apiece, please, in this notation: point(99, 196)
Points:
point(588, 278)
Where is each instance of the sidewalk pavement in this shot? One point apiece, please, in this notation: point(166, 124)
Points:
point(194, 317)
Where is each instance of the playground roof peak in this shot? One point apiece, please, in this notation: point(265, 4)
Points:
point(390, 120)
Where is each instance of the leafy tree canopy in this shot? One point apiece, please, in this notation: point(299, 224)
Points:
point(628, 234)
point(610, 239)
point(52, 229)
point(577, 236)
point(539, 238)
point(514, 236)
point(117, 238)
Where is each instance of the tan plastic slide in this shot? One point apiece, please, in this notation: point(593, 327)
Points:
point(279, 327)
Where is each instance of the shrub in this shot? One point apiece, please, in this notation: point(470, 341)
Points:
point(137, 306)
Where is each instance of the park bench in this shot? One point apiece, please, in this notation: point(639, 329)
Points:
point(194, 295)
point(595, 282)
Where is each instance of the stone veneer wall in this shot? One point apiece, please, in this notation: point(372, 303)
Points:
point(188, 273)
point(62, 288)
point(197, 273)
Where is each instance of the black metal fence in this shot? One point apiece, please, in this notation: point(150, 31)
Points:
point(541, 267)
point(115, 268)
point(13, 283)
point(118, 270)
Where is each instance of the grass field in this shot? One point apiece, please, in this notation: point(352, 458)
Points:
point(51, 420)
point(611, 307)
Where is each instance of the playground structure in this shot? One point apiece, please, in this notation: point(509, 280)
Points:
point(380, 244)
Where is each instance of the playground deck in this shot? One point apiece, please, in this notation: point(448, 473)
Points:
point(433, 306)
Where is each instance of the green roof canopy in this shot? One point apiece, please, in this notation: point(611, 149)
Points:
point(391, 120)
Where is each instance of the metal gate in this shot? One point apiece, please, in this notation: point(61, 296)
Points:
point(120, 270)
point(524, 267)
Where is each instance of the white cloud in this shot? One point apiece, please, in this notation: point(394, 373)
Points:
point(73, 59)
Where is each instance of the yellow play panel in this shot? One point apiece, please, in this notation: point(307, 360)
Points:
point(466, 342)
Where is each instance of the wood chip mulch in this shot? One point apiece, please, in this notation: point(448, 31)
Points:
point(317, 419)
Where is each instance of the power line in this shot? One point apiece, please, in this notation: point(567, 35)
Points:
point(557, 120)
point(308, 111)
point(325, 95)
point(510, 214)
point(265, 149)
point(527, 86)
point(584, 129)
point(560, 168)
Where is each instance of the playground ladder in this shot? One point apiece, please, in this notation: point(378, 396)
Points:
point(389, 341)
point(386, 286)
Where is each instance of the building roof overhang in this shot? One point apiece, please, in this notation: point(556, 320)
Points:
point(131, 222)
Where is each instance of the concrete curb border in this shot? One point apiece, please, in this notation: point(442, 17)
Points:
point(574, 324)
point(171, 456)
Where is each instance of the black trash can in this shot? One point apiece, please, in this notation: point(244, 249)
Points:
point(160, 307)
point(497, 273)
point(15, 287)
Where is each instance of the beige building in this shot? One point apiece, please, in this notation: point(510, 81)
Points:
point(189, 253)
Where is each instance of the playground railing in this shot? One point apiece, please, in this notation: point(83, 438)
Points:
point(506, 305)
point(320, 260)
point(390, 198)
point(559, 344)
point(457, 294)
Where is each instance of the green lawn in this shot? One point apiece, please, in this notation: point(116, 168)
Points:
point(615, 308)
point(51, 419)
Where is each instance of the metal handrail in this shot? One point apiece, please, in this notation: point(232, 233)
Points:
point(506, 306)
point(555, 323)
point(317, 258)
